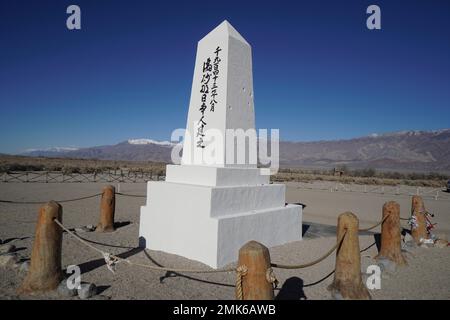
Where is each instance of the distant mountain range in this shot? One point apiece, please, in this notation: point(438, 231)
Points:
point(133, 150)
point(403, 151)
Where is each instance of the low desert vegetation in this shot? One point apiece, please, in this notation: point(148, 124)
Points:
point(82, 166)
point(367, 176)
point(341, 174)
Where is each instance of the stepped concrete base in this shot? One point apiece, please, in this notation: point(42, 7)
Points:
point(210, 224)
point(215, 176)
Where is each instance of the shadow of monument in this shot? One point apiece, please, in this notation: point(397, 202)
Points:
point(317, 230)
point(104, 244)
point(292, 289)
point(297, 203)
point(313, 230)
point(121, 224)
point(305, 228)
point(101, 289)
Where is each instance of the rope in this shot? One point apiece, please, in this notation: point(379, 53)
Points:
point(309, 264)
point(131, 195)
point(112, 260)
point(71, 200)
point(270, 277)
point(41, 202)
point(79, 239)
point(374, 226)
point(241, 272)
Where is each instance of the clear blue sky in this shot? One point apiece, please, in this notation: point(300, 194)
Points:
point(319, 73)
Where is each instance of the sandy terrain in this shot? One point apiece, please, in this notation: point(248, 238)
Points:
point(367, 206)
point(426, 276)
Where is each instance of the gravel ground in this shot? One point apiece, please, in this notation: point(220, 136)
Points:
point(425, 277)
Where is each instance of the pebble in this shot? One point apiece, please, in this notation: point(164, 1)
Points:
point(7, 248)
point(24, 266)
point(82, 230)
point(64, 291)
point(8, 260)
point(87, 290)
point(91, 227)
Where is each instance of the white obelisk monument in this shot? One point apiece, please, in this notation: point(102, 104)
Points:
point(206, 210)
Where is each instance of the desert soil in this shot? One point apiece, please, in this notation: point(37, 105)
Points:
point(425, 277)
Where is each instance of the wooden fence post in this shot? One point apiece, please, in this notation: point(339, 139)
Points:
point(256, 258)
point(45, 269)
point(418, 231)
point(390, 234)
point(107, 210)
point(347, 276)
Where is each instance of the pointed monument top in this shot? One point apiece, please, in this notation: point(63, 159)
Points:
point(225, 28)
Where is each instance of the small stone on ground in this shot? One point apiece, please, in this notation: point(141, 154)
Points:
point(8, 260)
point(24, 266)
point(82, 230)
point(7, 248)
point(87, 290)
point(64, 291)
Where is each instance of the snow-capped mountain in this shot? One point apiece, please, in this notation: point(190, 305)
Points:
point(150, 141)
point(132, 149)
point(406, 150)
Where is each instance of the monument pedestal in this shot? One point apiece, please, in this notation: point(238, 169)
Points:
point(217, 199)
point(209, 220)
